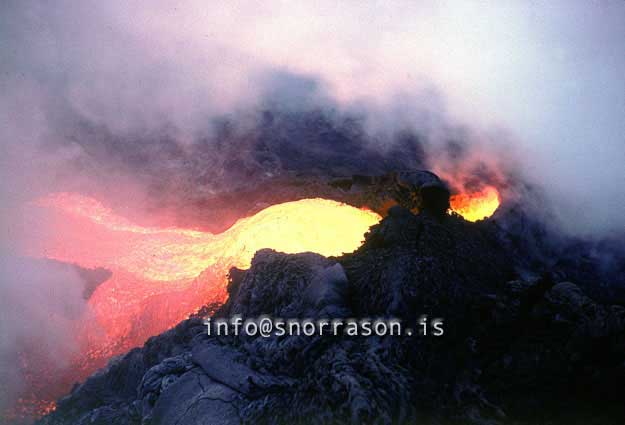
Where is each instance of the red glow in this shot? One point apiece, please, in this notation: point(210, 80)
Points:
point(162, 275)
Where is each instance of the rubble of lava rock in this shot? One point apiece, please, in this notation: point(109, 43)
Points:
point(517, 348)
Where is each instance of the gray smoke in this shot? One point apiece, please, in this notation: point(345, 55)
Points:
point(85, 81)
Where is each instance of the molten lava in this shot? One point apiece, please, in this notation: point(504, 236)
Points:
point(477, 205)
point(159, 276)
point(171, 254)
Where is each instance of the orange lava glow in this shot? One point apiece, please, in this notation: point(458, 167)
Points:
point(159, 276)
point(162, 275)
point(476, 205)
point(316, 225)
point(28, 407)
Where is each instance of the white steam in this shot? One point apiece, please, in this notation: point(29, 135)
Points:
point(549, 74)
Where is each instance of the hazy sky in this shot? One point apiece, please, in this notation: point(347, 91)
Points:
point(550, 75)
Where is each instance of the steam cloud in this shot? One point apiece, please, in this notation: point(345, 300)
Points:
point(40, 302)
point(111, 83)
point(170, 102)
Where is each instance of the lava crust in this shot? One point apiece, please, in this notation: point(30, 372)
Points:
point(515, 351)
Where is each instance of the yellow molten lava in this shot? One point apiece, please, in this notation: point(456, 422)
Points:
point(317, 225)
point(477, 205)
point(161, 275)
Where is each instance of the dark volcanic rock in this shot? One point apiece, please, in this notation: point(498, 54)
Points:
point(596, 265)
point(514, 351)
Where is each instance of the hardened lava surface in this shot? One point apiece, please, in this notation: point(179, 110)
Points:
point(516, 350)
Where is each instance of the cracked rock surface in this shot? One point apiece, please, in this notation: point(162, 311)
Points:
point(516, 350)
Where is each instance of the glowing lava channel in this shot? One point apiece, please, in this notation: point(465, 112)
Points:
point(316, 225)
point(161, 275)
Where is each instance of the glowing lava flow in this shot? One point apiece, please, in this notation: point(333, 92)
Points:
point(477, 205)
point(317, 225)
point(160, 276)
